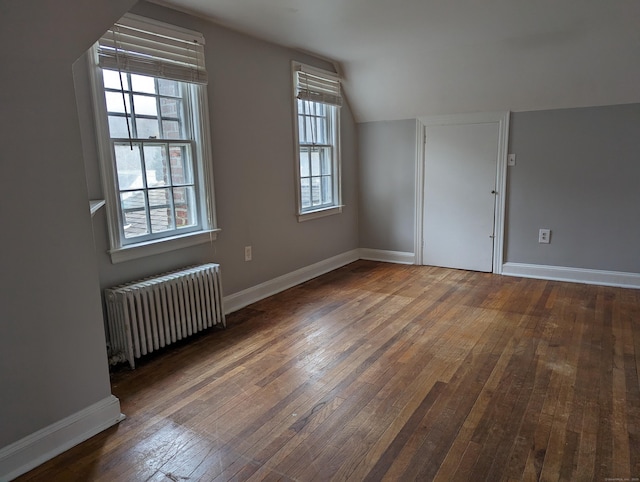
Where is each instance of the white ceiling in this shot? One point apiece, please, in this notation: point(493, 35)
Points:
point(407, 58)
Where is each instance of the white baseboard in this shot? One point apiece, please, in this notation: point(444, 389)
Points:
point(244, 298)
point(399, 257)
point(575, 275)
point(37, 448)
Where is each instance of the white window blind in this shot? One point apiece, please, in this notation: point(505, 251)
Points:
point(317, 85)
point(137, 45)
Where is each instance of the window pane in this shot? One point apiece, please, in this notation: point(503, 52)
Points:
point(170, 108)
point(135, 224)
point(310, 134)
point(145, 105)
point(159, 197)
point(168, 87)
point(128, 167)
point(184, 200)
point(155, 162)
point(327, 190)
point(320, 130)
point(312, 122)
point(142, 83)
point(325, 161)
point(304, 162)
point(147, 128)
point(115, 104)
point(133, 201)
point(171, 129)
point(118, 127)
point(305, 193)
point(160, 210)
point(302, 133)
point(110, 79)
point(134, 214)
point(315, 162)
point(161, 220)
point(315, 191)
point(181, 164)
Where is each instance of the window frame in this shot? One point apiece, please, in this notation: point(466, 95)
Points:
point(196, 117)
point(332, 119)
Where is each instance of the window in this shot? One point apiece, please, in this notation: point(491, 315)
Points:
point(152, 121)
point(317, 103)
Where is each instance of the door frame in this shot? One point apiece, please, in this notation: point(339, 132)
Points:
point(500, 118)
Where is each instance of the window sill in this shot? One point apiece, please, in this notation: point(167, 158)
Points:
point(150, 248)
point(320, 213)
point(94, 205)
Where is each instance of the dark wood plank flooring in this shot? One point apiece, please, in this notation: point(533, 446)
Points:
point(387, 372)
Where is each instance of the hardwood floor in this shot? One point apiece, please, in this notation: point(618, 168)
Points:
point(387, 372)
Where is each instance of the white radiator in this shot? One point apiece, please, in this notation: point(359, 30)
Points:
point(149, 314)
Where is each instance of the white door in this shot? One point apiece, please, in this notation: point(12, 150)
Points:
point(459, 195)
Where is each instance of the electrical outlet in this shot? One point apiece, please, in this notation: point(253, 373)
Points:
point(247, 253)
point(544, 236)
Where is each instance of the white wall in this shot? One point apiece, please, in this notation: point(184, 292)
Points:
point(52, 354)
point(387, 184)
point(578, 174)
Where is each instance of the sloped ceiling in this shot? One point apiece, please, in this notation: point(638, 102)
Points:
point(407, 58)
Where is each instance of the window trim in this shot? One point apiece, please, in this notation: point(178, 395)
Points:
point(150, 248)
point(198, 117)
point(336, 207)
